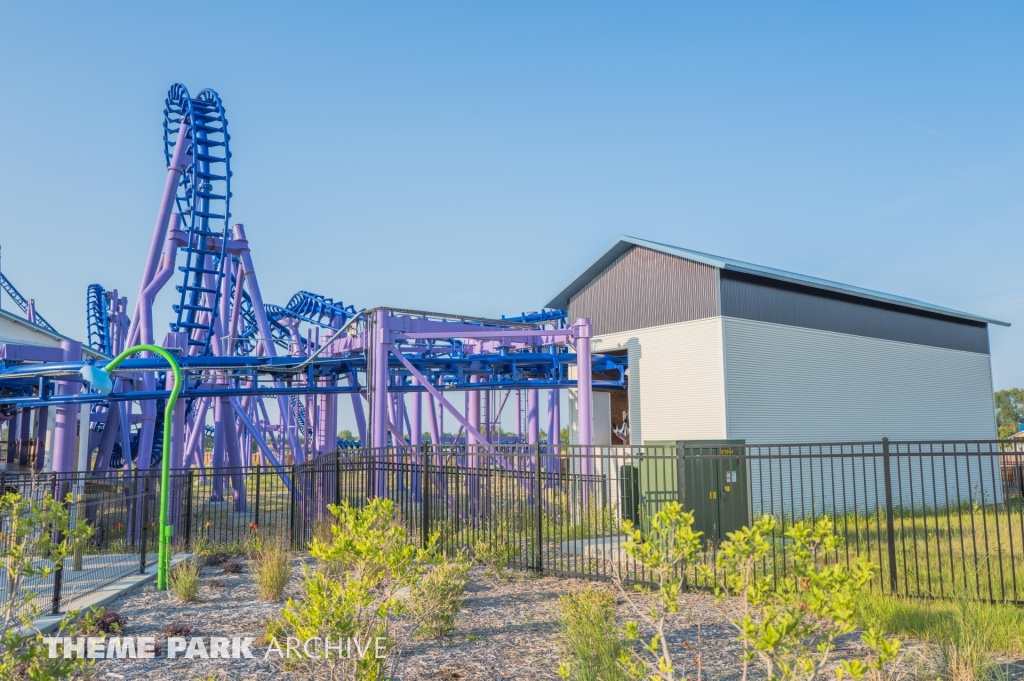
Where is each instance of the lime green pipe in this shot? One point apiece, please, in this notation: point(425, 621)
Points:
point(164, 558)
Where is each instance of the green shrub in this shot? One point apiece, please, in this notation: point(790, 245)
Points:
point(184, 579)
point(495, 554)
point(590, 636)
point(790, 626)
point(438, 597)
point(37, 536)
point(271, 569)
point(665, 550)
point(379, 561)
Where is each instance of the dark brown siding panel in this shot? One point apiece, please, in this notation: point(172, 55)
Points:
point(750, 297)
point(645, 288)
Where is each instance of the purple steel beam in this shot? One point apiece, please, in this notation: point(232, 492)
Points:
point(66, 416)
point(262, 323)
point(180, 160)
point(260, 442)
point(532, 416)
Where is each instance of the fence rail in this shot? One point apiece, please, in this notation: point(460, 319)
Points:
point(938, 518)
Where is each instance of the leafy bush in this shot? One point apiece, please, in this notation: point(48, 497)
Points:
point(590, 636)
point(665, 550)
point(438, 597)
point(271, 569)
point(495, 554)
point(379, 561)
point(791, 626)
point(35, 537)
point(97, 622)
point(184, 580)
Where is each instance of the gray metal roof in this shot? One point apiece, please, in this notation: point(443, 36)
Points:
point(624, 243)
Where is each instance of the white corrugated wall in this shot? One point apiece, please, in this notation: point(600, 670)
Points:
point(790, 384)
point(787, 384)
point(676, 389)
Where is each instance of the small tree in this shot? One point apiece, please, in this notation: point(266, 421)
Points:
point(665, 550)
point(35, 538)
point(791, 626)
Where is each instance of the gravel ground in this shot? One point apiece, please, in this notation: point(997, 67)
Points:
point(507, 631)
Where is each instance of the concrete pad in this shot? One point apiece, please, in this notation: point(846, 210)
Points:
point(602, 548)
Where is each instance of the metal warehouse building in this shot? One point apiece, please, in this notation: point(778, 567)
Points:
point(726, 350)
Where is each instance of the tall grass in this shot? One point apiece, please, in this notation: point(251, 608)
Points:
point(590, 636)
point(184, 579)
point(968, 633)
point(271, 568)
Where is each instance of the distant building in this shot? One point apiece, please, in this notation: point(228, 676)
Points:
point(725, 350)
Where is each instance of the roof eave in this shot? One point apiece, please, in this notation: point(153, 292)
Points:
point(624, 243)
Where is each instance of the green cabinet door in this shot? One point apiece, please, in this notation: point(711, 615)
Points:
point(714, 483)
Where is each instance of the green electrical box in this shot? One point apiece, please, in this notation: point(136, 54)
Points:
point(714, 483)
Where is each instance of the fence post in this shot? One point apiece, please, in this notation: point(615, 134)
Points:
point(337, 478)
point(256, 514)
point(890, 527)
point(425, 495)
point(189, 477)
point(58, 573)
point(145, 525)
point(291, 506)
point(539, 518)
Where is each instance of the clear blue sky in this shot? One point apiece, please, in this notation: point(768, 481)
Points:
point(473, 157)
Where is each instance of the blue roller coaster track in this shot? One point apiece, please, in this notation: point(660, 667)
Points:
point(96, 319)
point(203, 200)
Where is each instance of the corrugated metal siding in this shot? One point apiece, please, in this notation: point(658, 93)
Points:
point(644, 288)
point(797, 488)
point(787, 384)
point(675, 380)
point(748, 297)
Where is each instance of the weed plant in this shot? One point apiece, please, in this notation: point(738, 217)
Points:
point(590, 636)
point(438, 597)
point(271, 569)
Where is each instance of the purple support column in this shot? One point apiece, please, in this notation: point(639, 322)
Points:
point(585, 396)
point(357, 410)
point(234, 457)
point(24, 435)
point(532, 417)
point(416, 437)
point(552, 453)
point(42, 418)
point(379, 342)
point(180, 160)
point(217, 460)
point(519, 415)
point(473, 459)
point(179, 341)
point(13, 436)
point(66, 417)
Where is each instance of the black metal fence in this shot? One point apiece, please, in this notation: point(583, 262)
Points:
point(122, 511)
point(937, 518)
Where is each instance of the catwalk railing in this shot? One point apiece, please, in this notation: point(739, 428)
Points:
point(938, 518)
